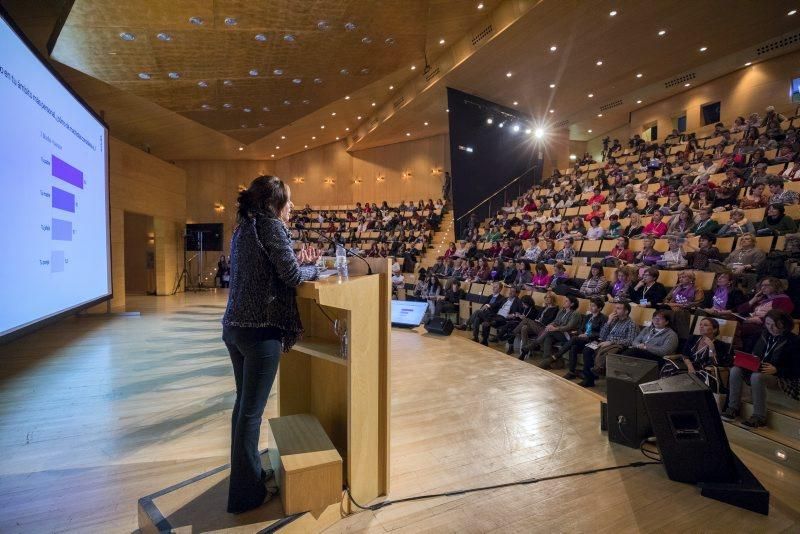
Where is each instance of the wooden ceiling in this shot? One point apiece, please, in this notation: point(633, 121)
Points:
point(166, 116)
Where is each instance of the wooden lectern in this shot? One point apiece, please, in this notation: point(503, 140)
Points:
point(347, 391)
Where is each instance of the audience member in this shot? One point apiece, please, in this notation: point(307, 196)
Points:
point(618, 333)
point(648, 292)
point(655, 341)
point(589, 331)
point(567, 320)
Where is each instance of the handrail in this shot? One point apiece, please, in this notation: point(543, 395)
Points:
point(487, 199)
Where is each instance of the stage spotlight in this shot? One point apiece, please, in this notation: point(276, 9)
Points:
point(501, 124)
point(489, 120)
point(538, 133)
point(516, 128)
point(528, 131)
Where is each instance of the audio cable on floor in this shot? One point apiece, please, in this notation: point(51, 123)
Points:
point(525, 482)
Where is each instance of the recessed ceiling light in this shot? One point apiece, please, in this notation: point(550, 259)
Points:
point(441, 41)
point(516, 103)
point(287, 102)
point(347, 129)
point(241, 148)
point(313, 137)
point(391, 87)
point(501, 124)
point(792, 12)
point(244, 126)
point(231, 21)
point(413, 67)
point(747, 64)
point(317, 81)
point(265, 108)
point(322, 127)
point(174, 75)
point(687, 84)
point(289, 38)
point(528, 131)
point(283, 137)
point(590, 95)
point(509, 74)
point(337, 137)
point(206, 106)
point(480, 5)
point(552, 111)
point(489, 120)
point(144, 75)
point(202, 83)
point(366, 40)
point(277, 72)
point(662, 33)
point(272, 155)
point(408, 134)
point(277, 147)
point(349, 26)
point(127, 36)
point(703, 48)
point(344, 72)
point(553, 48)
point(389, 41)
point(197, 21)
point(333, 114)
point(425, 123)
point(347, 97)
point(612, 13)
point(516, 128)
point(638, 101)
point(552, 86)
point(358, 118)
point(323, 25)
point(253, 72)
point(260, 37)
point(599, 62)
point(247, 110)
point(599, 114)
point(589, 131)
point(447, 110)
point(305, 146)
point(162, 36)
point(365, 70)
point(297, 81)
point(227, 105)
point(373, 104)
point(639, 74)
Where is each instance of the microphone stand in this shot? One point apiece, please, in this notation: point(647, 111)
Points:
point(348, 252)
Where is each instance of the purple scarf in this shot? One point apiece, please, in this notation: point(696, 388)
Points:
point(683, 295)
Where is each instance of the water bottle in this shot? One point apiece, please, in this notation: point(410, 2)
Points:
point(341, 263)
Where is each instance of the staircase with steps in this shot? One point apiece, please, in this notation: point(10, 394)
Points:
point(441, 240)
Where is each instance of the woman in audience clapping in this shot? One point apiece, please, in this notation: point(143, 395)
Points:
point(777, 348)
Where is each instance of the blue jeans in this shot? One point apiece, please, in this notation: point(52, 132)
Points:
point(255, 354)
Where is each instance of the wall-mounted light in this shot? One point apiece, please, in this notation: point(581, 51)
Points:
point(380, 178)
point(151, 237)
point(242, 187)
point(436, 171)
point(299, 180)
point(357, 180)
point(406, 175)
point(329, 181)
point(218, 206)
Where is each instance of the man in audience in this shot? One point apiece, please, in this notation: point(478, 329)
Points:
point(704, 224)
point(486, 311)
point(566, 322)
point(779, 195)
point(451, 300)
point(566, 254)
point(532, 253)
point(618, 333)
point(496, 316)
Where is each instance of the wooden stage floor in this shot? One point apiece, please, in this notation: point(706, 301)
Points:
point(97, 412)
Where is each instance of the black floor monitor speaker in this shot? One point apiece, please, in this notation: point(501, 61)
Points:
point(439, 325)
point(693, 444)
point(626, 416)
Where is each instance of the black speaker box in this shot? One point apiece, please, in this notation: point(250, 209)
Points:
point(626, 416)
point(439, 325)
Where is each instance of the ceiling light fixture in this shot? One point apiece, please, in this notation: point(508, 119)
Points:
point(489, 120)
point(528, 131)
point(305, 146)
point(373, 104)
point(163, 36)
point(174, 75)
point(687, 84)
point(231, 21)
point(515, 127)
point(227, 105)
point(703, 48)
point(272, 155)
point(599, 115)
point(539, 133)
point(480, 5)
point(333, 114)
point(297, 81)
point(197, 21)
point(441, 41)
point(283, 137)
point(639, 74)
point(501, 124)
point(265, 108)
point(323, 25)
point(337, 137)
point(516, 103)
point(590, 95)
point(317, 81)
point(347, 97)
point(350, 26)
point(638, 101)
point(253, 72)
point(127, 36)
point(358, 118)
point(144, 75)
point(552, 111)
point(553, 48)
point(344, 72)
point(792, 12)
point(589, 131)
point(552, 86)
point(247, 110)
point(662, 33)
point(612, 13)
point(509, 74)
point(408, 134)
point(389, 41)
point(366, 40)
point(277, 147)
point(289, 38)
point(391, 87)
point(365, 70)
point(313, 137)
point(599, 62)
point(425, 123)
point(287, 102)
point(347, 129)
point(202, 83)
point(227, 83)
point(322, 127)
point(241, 148)
point(747, 64)
point(413, 67)
point(277, 72)
point(260, 37)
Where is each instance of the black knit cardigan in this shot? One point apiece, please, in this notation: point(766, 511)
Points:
point(264, 275)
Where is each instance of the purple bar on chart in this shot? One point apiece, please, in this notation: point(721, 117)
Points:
point(57, 261)
point(63, 200)
point(64, 171)
point(62, 230)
